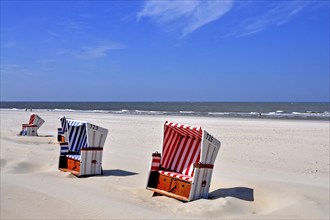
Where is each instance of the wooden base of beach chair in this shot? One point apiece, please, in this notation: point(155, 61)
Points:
point(73, 165)
point(169, 186)
point(69, 165)
point(71, 171)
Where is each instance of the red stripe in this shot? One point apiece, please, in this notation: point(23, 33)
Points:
point(173, 147)
point(190, 156)
point(167, 145)
point(154, 168)
point(181, 147)
point(179, 155)
point(187, 131)
point(185, 154)
point(176, 175)
point(32, 119)
point(195, 160)
point(169, 148)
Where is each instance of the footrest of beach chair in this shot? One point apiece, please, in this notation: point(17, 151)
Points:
point(73, 156)
point(176, 175)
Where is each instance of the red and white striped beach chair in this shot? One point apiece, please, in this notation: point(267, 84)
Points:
point(184, 169)
point(31, 129)
point(82, 154)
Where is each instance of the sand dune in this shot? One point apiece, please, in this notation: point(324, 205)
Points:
point(266, 169)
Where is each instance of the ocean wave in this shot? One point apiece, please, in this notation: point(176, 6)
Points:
point(187, 112)
point(63, 110)
point(253, 114)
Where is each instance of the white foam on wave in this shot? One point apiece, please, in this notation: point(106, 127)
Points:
point(187, 112)
point(63, 110)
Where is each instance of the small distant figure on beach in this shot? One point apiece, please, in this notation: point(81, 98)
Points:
point(30, 109)
point(26, 109)
point(259, 114)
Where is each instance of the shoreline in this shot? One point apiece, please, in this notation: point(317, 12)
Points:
point(169, 115)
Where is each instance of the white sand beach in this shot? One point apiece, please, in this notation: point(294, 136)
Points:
point(266, 169)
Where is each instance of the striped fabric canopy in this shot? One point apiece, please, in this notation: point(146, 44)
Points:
point(181, 147)
point(75, 122)
point(36, 120)
point(32, 117)
point(77, 135)
point(64, 124)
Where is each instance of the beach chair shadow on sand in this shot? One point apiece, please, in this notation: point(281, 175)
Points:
point(184, 170)
point(242, 193)
point(81, 147)
point(118, 172)
point(31, 129)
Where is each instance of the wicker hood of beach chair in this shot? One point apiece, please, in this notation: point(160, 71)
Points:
point(81, 153)
point(31, 129)
point(184, 168)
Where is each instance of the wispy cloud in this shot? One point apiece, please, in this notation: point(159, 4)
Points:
point(243, 18)
point(100, 49)
point(272, 14)
point(184, 16)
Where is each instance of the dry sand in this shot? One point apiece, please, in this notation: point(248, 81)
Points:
point(266, 169)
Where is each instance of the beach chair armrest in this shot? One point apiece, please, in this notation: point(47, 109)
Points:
point(64, 149)
point(92, 149)
point(155, 161)
point(201, 165)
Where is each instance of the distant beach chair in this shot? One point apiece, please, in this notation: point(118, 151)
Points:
point(81, 153)
point(185, 169)
point(31, 129)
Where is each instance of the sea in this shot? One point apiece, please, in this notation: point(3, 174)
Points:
point(265, 110)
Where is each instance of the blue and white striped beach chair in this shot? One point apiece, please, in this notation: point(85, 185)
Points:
point(82, 153)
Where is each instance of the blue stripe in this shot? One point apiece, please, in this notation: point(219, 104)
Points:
point(63, 124)
point(81, 135)
point(77, 138)
point(84, 142)
point(76, 157)
point(76, 133)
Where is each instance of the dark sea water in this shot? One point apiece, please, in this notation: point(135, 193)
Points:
point(280, 110)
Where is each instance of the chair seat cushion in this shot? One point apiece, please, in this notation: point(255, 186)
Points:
point(73, 156)
point(176, 175)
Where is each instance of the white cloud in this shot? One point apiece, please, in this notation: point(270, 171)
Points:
point(275, 14)
point(246, 18)
point(185, 16)
point(99, 50)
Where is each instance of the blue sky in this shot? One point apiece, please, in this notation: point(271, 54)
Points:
point(165, 50)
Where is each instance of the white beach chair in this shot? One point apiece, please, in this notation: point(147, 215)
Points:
point(82, 153)
point(31, 129)
point(185, 169)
